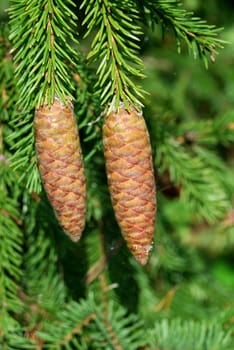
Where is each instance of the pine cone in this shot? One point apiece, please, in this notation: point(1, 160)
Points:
point(61, 165)
point(131, 179)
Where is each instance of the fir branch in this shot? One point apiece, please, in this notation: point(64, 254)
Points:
point(42, 33)
point(200, 37)
point(115, 46)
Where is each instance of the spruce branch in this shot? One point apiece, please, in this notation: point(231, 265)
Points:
point(16, 339)
point(42, 33)
point(10, 252)
point(216, 239)
point(11, 249)
point(115, 46)
point(200, 37)
point(114, 329)
point(24, 159)
point(17, 127)
point(210, 132)
point(67, 330)
point(11, 235)
point(88, 110)
point(41, 257)
point(178, 334)
point(201, 188)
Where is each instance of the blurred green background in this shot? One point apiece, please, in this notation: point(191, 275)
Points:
point(181, 89)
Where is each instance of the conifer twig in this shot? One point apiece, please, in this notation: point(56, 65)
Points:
point(115, 47)
point(200, 37)
point(41, 32)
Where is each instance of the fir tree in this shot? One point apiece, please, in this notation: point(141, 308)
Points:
point(57, 294)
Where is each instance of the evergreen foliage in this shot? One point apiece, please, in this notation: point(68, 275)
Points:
point(190, 335)
point(41, 32)
point(115, 43)
point(200, 37)
point(55, 294)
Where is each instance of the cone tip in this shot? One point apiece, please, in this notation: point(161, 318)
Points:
point(142, 260)
point(141, 253)
point(74, 237)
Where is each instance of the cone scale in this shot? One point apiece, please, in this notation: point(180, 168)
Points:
point(61, 165)
point(131, 181)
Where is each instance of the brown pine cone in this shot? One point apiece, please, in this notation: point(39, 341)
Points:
point(131, 180)
point(60, 164)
